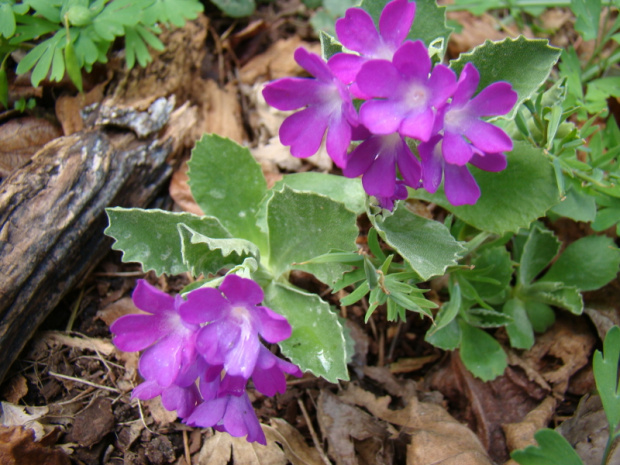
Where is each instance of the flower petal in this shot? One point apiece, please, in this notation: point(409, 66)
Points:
point(460, 186)
point(466, 86)
point(489, 161)
point(395, 22)
point(418, 125)
point(162, 361)
point(488, 138)
point(181, 399)
point(409, 166)
point(345, 66)
point(442, 84)
point(432, 163)
point(338, 139)
point(496, 99)
point(240, 420)
point(213, 341)
point(150, 299)
point(241, 358)
point(208, 413)
point(203, 305)
point(136, 332)
point(381, 116)
point(379, 78)
point(147, 390)
point(360, 159)
point(455, 149)
point(241, 291)
point(293, 93)
point(314, 64)
point(380, 179)
point(357, 32)
point(412, 61)
point(271, 326)
point(304, 131)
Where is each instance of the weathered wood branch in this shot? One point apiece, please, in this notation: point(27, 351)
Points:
point(52, 220)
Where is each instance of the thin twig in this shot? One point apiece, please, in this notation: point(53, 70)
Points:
point(83, 381)
point(315, 438)
point(188, 458)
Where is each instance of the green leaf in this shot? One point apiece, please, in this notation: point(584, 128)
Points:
point(606, 376)
point(236, 8)
point(329, 44)
point(511, 199)
point(506, 60)
point(150, 237)
point(429, 23)
point(587, 264)
point(304, 225)
point(4, 89)
point(577, 206)
point(7, 20)
point(484, 318)
point(135, 48)
point(552, 449)
point(207, 255)
point(228, 183)
point(448, 311)
point(73, 67)
point(481, 353)
point(541, 316)
point(538, 251)
point(425, 244)
point(498, 266)
point(317, 343)
point(520, 331)
point(347, 191)
point(445, 338)
point(568, 298)
point(588, 14)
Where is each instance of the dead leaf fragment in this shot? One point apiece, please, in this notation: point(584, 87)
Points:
point(92, 423)
point(112, 312)
point(520, 435)
point(295, 448)
point(181, 193)
point(217, 450)
point(18, 447)
point(16, 388)
point(353, 435)
point(19, 415)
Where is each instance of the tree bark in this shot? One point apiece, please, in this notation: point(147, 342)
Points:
point(52, 220)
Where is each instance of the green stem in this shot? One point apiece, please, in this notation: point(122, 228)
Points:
point(517, 4)
point(477, 241)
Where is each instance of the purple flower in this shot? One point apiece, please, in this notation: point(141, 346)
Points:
point(226, 408)
point(399, 194)
point(329, 107)
point(376, 159)
point(357, 32)
point(408, 95)
point(462, 127)
point(168, 340)
point(235, 321)
point(459, 184)
point(269, 372)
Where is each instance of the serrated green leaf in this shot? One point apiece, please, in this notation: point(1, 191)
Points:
point(448, 311)
point(329, 45)
point(511, 199)
point(425, 244)
point(481, 353)
point(429, 23)
point(606, 218)
point(606, 376)
point(48, 9)
point(552, 449)
point(317, 343)
point(568, 298)
point(538, 251)
point(577, 206)
point(58, 65)
point(520, 331)
point(350, 192)
point(236, 8)
point(172, 11)
point(41, 69)
point(445, 338)
point(207, 255)
point(506, 60)
point(484, 318)
point(303, 225)
point(150, 237)
point(228, 183)
point(587, 264)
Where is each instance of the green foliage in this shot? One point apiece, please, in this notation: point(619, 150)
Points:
point(236, 8)
point(552, 449)
point(72, 35)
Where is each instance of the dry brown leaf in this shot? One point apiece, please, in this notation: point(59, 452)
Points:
point(221, 112)
point(112, 312)
point(18, 415)
point(57, 338)
point(92, 423)
point(181, 193)
point(407, 365)
point(68, 108)
point(588, 430)
point(295, 448)
point(436, 437)
point(159, 413)
point(16, 388)
point(217, 449)
point(18, 447)
point(520, 435)
point(353, 435)
point(604, 320)
point(404, 388)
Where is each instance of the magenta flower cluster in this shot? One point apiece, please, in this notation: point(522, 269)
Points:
point(404, 97)
point(200, 352)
